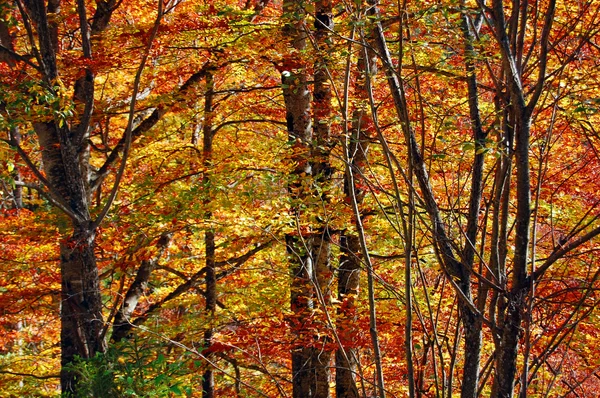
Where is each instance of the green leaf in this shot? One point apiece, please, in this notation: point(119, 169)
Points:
point(467, 146)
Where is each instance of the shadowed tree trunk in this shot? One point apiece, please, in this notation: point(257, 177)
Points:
point(65, 148)
point(208, 382)
point(472, 322)
point(297, 99)
point(520, 114)
point(81, 309)
point(122, 325)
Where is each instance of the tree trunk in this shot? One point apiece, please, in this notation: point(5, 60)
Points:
point(348, 284)
point(17, 191)
point(208, 378)
point(65, 164)
point(321, 171)
point(139, 287)
point(350, 259)
point(457, 269)
point(471, 321)
point(309, 246)
point(520, 115)
point(81, 311)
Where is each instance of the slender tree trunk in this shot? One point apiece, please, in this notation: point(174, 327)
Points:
point(350, 259)
point(208, 382)
point(348, 284)
point(471, 322)
point(17, 192)
point(459, 270)
point(321, 169)
point(521, 116)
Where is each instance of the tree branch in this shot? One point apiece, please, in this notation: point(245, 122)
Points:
point(44, 377)
point(148, 123)
point(128, 130)
point(561, 251)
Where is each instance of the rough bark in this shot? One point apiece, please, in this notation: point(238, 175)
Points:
point(81, 311)
point(65, 166)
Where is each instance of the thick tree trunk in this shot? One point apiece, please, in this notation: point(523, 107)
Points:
point(308, 248)
point(81, 311)
point(66, 170)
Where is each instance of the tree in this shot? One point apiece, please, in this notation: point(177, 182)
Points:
point(234, 193)
point(62, 132)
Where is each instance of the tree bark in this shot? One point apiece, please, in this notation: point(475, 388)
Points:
point(299, 244)
point(81, 311)
point(208, 378)
point(521, 116)
point(472, 323)
point(65, 165)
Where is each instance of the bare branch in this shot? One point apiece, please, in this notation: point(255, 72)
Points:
point(561, 251)
point(39, 377)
